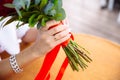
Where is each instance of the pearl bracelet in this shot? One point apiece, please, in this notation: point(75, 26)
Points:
point(14, 64)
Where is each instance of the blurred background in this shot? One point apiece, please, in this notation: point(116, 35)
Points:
point(95, 17)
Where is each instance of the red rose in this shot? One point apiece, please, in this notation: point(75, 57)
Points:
point(4, 11)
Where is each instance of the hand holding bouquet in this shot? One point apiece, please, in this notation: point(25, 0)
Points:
point(38, 12)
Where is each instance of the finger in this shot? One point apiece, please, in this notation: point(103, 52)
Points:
point(57, 29)
point(62, 39)
point(62, 34)
point(50, 23)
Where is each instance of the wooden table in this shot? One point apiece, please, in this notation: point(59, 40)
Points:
point(105, 65)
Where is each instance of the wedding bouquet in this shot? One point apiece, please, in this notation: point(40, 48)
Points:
point(38, 12)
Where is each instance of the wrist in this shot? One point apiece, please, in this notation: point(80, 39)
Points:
point(27, 55)
point(35, 51)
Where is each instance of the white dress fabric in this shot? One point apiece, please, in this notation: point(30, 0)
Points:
point(10, 37)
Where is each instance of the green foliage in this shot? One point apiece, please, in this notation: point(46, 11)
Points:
point(37, 2)
point(43, 4)
point(43, 21)
point(9, 5)
point(58, 4)
point(32, 20)
point(13, 18)
point(60, 15)
point(18, 4)
point(49, 9)
point(34, 12)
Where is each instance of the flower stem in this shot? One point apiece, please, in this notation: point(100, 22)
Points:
point(77, 55)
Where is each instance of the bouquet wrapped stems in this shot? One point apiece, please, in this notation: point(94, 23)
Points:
point(38, 12)
point(76, 55)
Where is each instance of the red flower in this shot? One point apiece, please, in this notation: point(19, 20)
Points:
point(4, 11)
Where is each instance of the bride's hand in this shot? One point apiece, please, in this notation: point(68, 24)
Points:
point(47, 38)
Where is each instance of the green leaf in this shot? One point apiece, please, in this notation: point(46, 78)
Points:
point(43, 21)
point(39, 25)
point(9, 5)
point(27, 3)
point(22, 4)
point(48, 8)
point(52, 12)
point(60, 15)
point(18, 4)
point(2, 17)
point(39, 17)
point(32, 20)
point(13, 18)
point(58, 4)
point(18, 25)
point(18, 12)
point(26, 15)
point(43, 4)
point(22, 24)
point(37, 2)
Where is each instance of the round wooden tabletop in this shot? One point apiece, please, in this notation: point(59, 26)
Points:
point(105, 65)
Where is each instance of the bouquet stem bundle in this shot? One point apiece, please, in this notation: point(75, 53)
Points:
point(76, 55)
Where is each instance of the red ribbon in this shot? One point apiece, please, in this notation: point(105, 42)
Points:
point(48, 77)
point(62, 69)
point(48, 61)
